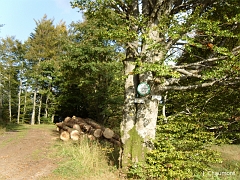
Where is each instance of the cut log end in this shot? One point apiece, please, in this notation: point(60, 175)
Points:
point(75, 135)
point(108, 133)
point(65, 136)
point(77, 127)
point(97, 133)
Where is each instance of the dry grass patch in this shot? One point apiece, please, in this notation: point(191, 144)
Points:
point(83, 160)
point(230, 167)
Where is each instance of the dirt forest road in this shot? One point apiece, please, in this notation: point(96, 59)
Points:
point(24, 153)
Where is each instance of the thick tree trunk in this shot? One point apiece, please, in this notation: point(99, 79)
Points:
point(146, 121)
point(138, 129)
point(129, 135)
point(139, 119)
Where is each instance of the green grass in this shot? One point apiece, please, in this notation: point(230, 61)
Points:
point(83, 160)
point(21, 131)
point(229, 169)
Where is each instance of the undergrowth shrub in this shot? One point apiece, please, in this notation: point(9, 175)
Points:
point(180, 151)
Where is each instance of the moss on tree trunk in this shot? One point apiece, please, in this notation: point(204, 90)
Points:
point(134, 150)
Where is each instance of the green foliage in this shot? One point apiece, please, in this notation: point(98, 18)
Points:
point(196, 120)
point(44, 49)
point(155, 34)
point(92, 76)
point(113, 25)
point(180, 150)
point(216, 108)
point(46, 120)
point(158, 69)
point(10, 60)
point(80, 73)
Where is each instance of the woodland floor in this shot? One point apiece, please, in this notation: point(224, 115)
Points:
point(25, 153)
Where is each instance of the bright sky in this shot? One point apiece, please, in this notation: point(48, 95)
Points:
point(18, 15)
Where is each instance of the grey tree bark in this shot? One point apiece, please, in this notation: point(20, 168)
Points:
point(33, 119)
point(9, 98)
point(39, 110)
point(19, 101)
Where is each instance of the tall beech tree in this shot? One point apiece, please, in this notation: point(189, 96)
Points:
point(154, 33)
point(44, 48)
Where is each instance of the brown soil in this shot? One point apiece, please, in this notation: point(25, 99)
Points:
point(25, 153)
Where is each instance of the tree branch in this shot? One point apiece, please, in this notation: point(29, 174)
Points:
point(188, 73)
point(179, 88)
point(131, 45)
point(235, 52)
point(223, 81)
point(155, 7)
point(200, 62)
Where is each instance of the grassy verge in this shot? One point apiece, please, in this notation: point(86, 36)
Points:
point(21, 131)
point(83, 160)
point(229, 169)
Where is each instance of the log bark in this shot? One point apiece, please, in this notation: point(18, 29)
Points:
point(71, 122)
point(114, 141)
point(66, 128)
point(59, 125)
point(67, 119)
point(93, 123)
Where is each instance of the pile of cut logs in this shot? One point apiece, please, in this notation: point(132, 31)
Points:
point(75, 128)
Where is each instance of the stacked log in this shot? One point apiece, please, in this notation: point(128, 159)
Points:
point(75, 128)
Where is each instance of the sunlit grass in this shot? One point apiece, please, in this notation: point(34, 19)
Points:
point(84, 160)
point(229, 169)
